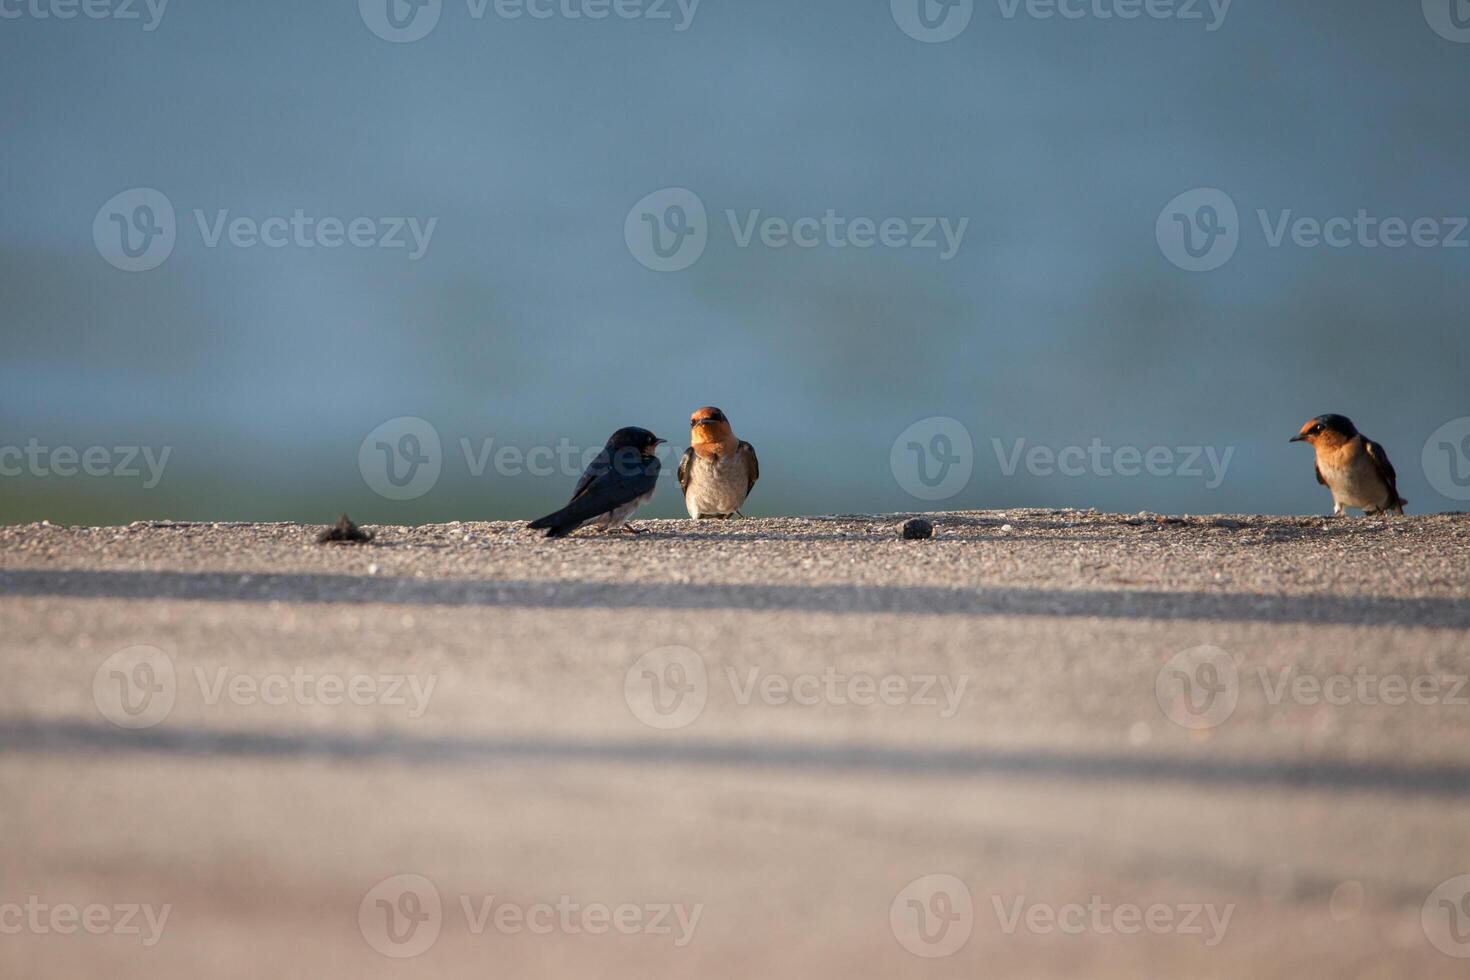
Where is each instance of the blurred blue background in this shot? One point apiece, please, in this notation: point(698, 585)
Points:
point(530, 320)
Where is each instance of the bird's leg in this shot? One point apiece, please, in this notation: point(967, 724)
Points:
point(630, 529)
point(1337, 510)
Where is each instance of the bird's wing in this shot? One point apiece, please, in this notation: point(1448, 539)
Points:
point(1385, 469)
point(594, 469)
point(1319, 476)
point(686, 465)
point(752, 465)
point(617, 485)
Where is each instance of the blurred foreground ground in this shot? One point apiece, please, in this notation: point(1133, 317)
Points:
point(1004, 744)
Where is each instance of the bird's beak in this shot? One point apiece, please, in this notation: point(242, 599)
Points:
point(1297, 438)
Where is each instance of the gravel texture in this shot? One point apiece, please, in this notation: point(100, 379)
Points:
point(1044, 759)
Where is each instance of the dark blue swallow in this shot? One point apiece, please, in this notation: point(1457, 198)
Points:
point(620, 480)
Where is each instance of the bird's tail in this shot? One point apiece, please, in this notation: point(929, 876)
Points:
point(557, 525)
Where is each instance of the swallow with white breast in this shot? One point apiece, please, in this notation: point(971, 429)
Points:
point(1355, 468)
point(718, 470)
point(620, 480)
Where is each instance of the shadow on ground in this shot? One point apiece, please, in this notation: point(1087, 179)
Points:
point(918, 600)
point(66, 737)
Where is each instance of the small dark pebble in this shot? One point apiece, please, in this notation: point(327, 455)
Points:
point(916, 529)
point(344, 530)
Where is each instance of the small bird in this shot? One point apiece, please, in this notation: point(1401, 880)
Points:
point(1355, 468)
point(718, 470)
point(620, 480)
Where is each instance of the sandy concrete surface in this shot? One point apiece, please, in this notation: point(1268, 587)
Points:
point(1042, 743)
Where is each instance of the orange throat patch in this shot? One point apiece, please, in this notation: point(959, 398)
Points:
point(713, 440)
point(1336, 451)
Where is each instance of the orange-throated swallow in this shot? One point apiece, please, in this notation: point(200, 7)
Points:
point(1355, 468)
point(620, 480)
point(718, 470)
